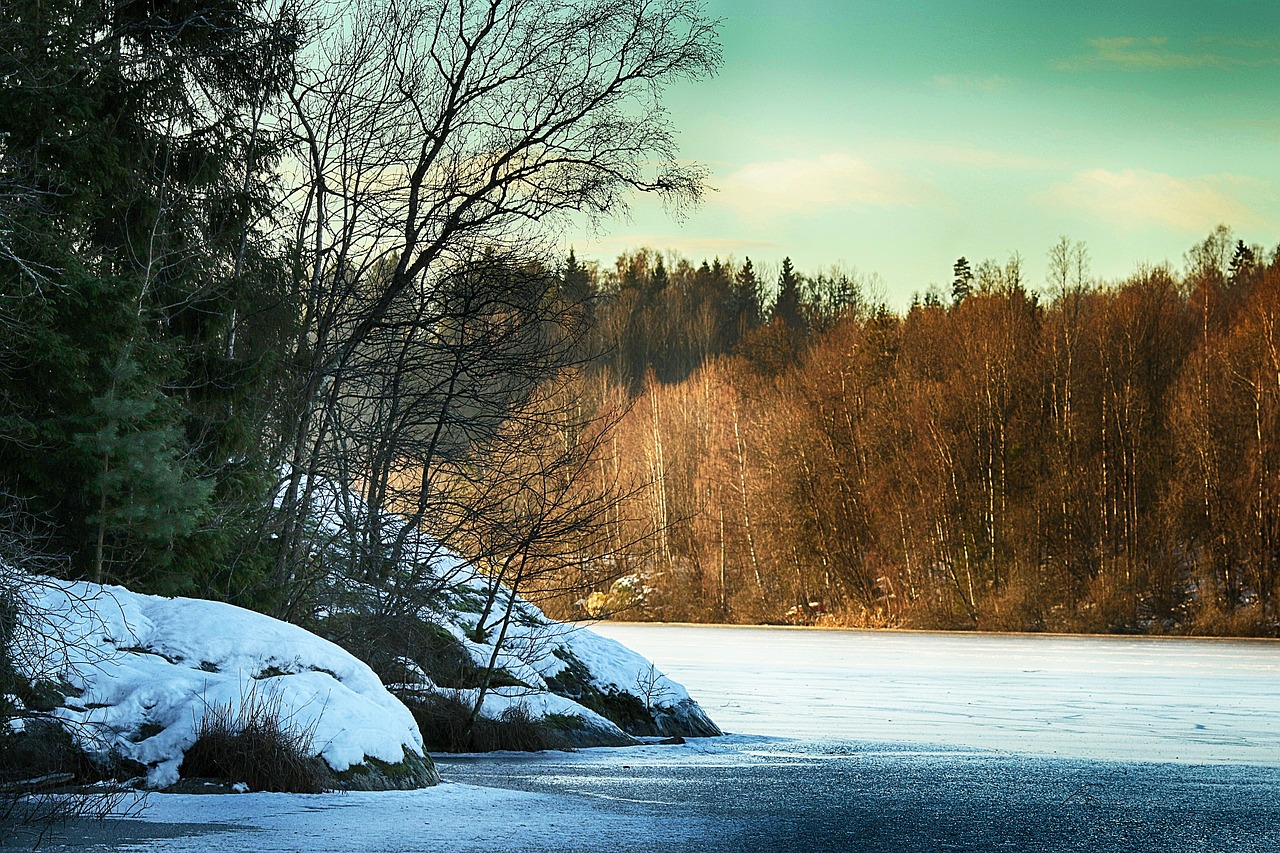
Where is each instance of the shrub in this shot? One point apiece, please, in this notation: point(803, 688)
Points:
point(257, 744)
point(443, 719)
point(386, 642)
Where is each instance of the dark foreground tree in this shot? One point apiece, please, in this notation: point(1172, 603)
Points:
point(132, 161)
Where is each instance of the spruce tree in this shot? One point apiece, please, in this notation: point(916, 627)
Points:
point(658, 281)
point(1243, 261)
point(788, 305)
point(576, 280)
point(138, 303)
point(962, 281)
point(747, 296)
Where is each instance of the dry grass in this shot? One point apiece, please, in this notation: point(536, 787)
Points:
point(257, 744)
point(1210, 619)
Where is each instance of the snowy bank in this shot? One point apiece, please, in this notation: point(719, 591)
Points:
point(140, 672)
point(584, 689)
point(596, 691)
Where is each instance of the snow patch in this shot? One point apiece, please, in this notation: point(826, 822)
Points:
point(145, 670)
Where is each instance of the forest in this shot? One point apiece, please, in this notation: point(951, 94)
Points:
point(249, 251)
point(1070, 455)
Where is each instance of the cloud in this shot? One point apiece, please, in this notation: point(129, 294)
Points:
point(1153, 53)
point(1134, 198)
point(608, 247)
point(768, 190)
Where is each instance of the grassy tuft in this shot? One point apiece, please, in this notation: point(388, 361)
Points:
point(256, 744)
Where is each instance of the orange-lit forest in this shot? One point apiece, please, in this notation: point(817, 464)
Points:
point(1061, 455)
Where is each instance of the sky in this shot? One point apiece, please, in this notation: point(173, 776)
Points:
point(894, 138)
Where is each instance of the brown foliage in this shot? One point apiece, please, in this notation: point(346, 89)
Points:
point(1108, 460)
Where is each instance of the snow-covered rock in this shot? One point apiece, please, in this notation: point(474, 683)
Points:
point(143, 671)
point(560, 671)
point(565, 670)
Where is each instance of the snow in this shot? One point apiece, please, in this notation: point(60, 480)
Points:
point(614, 665)
point(534, 647)
point(537, 648)
point(149, 668)
point(1139, 699)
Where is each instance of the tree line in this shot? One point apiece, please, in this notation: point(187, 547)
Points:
point(1079, 456)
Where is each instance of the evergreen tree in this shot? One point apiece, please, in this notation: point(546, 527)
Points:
point(719, 278)
point(845, 294)
point(658, 280)
point(132, 167)
point(576, 281)
point(1243, 262)
point(747, 296)
point(962, 281)
point(144, 494)
point(788, 305)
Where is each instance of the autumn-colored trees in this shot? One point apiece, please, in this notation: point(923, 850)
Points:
point(1082, 457)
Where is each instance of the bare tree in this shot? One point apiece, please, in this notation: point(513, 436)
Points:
point(433, 132)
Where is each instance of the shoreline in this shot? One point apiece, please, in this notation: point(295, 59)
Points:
point(939, 632)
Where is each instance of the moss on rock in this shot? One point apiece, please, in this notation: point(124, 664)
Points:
point(414, 771)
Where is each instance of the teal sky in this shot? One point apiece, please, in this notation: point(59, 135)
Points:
point(895, 137)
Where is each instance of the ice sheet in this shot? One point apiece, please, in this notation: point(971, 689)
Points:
point(1142, 699)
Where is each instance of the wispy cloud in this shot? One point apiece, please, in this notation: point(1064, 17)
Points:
point(1154, 53)
point(767, 190)
point(692, 246)
point(1136, 198)
point(1269, 45)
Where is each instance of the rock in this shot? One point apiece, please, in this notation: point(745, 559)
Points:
point(415, 771)
point(146, 673)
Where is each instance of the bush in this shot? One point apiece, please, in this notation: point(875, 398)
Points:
point(443, 718)
point(256, 744)
point(386, 642)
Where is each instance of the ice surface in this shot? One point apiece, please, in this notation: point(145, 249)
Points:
point(448, 817)
point(866, 741)
point(1141, 699)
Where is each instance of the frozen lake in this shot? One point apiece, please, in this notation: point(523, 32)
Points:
point(843, 740)
point(1129, 698)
